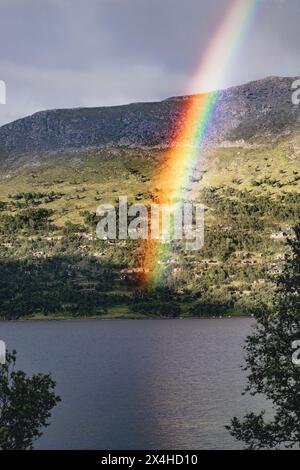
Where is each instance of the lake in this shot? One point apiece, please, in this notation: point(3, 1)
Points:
point(138, 384)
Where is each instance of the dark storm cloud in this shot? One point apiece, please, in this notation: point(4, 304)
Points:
point(59, 53)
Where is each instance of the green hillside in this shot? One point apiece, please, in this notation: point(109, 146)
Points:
point(52, 264)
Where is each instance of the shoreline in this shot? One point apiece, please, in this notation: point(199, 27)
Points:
point(59, 318)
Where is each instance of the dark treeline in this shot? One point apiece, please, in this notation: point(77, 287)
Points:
point(63, 285)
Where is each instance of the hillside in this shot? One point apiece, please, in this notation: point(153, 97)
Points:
point(51, 184)
point(261, 107)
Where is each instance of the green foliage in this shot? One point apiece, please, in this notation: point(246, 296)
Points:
point(204, 308)
point(156, 302)
point(25, 405)
point(269, 364)
point(32, 219)
point(57, 285)
point(48, 222)
point(37, 198)
point(252, 210)
point(156, 308)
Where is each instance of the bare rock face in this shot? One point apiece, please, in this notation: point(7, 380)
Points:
point(259, 108)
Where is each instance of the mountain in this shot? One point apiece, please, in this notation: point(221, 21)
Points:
point(56, 167)
point(260, 107)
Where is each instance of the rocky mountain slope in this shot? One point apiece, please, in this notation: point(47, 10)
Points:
point(260, 107)
point(62, 164)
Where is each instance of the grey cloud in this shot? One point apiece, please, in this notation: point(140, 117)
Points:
point(64, 53)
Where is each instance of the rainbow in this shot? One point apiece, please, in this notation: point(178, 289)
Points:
point(174, 174)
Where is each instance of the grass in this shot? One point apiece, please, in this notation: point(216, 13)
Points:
point(87, 179)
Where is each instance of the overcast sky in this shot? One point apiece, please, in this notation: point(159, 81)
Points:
point(70, 53)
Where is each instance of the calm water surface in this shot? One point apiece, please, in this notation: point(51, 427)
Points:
point(135, 384)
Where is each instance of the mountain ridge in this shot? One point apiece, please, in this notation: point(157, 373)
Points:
point(261, 107)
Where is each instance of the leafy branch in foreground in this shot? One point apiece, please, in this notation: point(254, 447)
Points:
point(273, 373)
point(25, 405)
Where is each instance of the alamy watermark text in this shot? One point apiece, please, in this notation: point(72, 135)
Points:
point(161, 222)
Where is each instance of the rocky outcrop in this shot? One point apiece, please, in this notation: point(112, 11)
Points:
point(259, 107)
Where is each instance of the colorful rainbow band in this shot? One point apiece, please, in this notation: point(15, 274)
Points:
point(177, 167)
